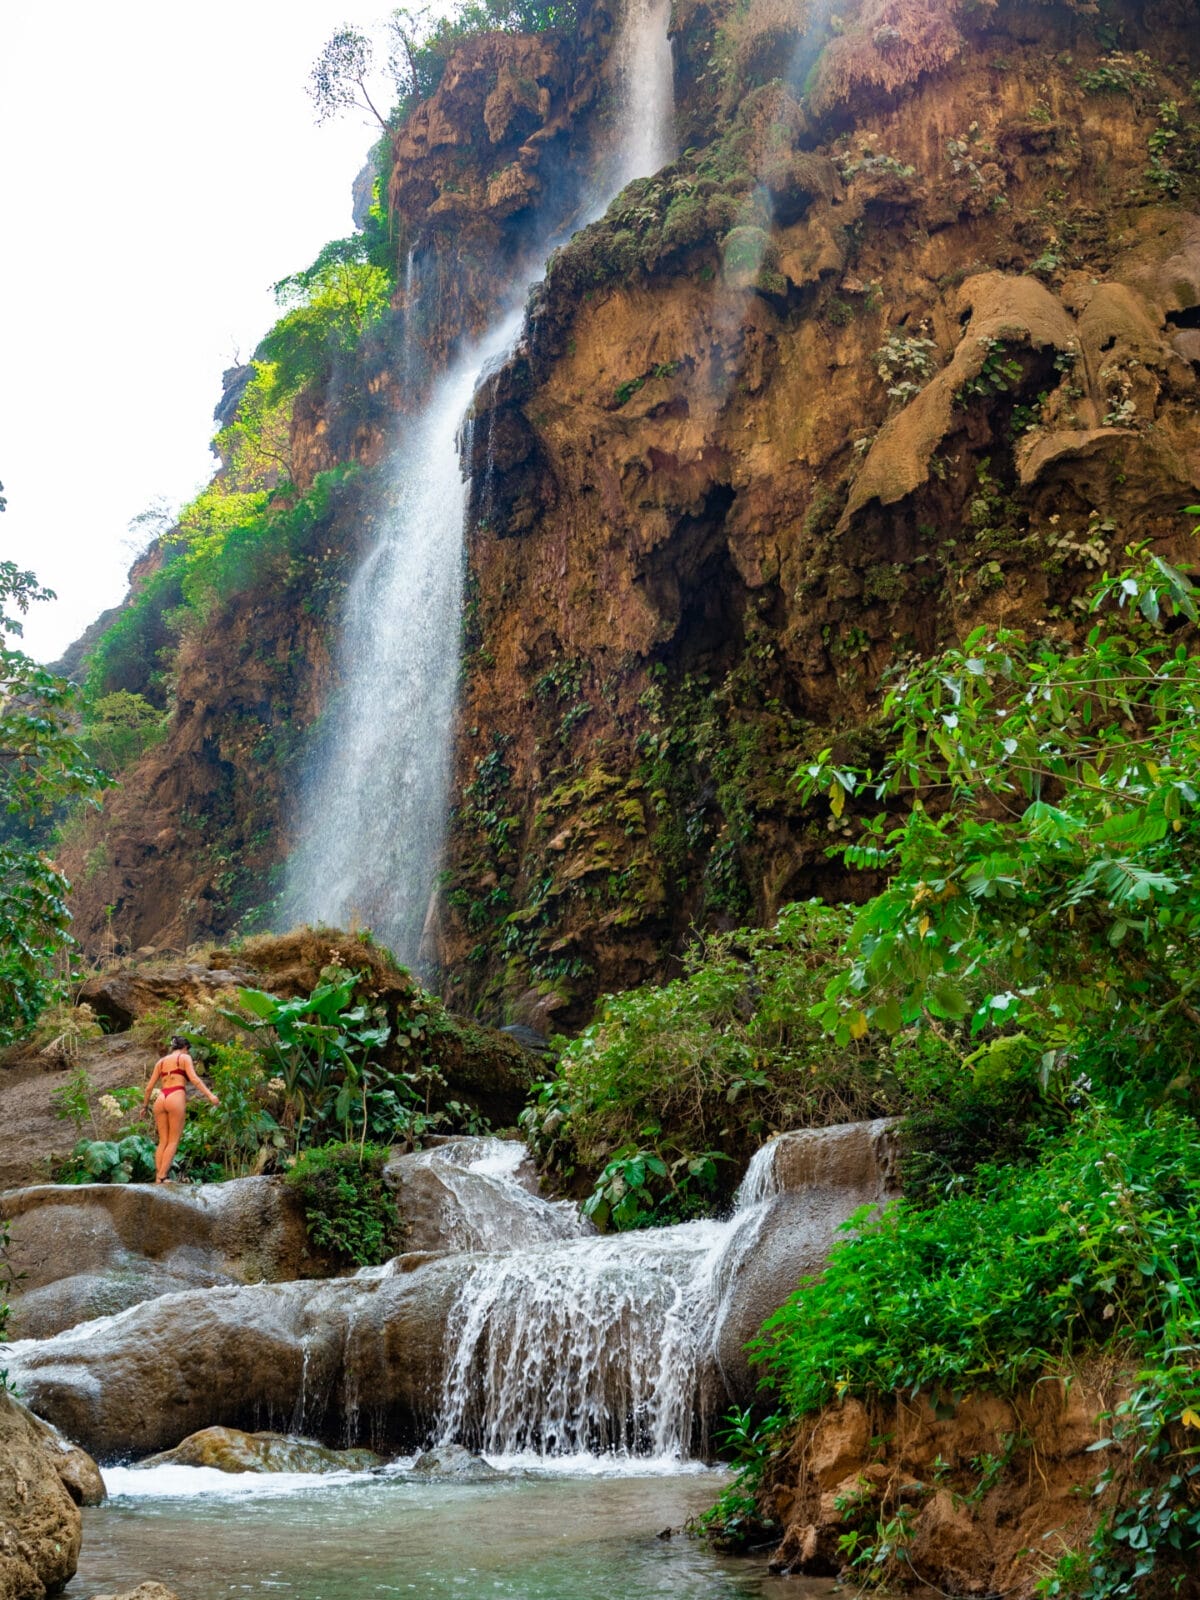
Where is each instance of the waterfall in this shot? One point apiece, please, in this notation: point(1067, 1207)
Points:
point(373, 811)
point(645, 92)
point(375, 816)
point(594, 1345)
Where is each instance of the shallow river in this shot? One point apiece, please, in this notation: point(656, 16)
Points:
point(584, 1535)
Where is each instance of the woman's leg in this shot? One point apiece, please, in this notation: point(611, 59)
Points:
point(163, 1129)
point(174, 1117)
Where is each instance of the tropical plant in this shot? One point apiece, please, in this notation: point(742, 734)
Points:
point(1042, 876)
point(321, 1044)
point(667, 1094)
point(126, 1160)
point(42, 768)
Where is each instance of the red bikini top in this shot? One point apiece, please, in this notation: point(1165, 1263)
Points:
point(176, 1069)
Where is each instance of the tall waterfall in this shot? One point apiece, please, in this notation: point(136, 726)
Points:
point(373, 812)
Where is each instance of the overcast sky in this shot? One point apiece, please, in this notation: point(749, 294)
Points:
point(159, 170)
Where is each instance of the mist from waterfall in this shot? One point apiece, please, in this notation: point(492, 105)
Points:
point(373, 810)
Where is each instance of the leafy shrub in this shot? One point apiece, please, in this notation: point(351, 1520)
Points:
point(132, 651)
point(1047, 895)
point(980, 1125)
point(120, 727)
point(348, 1209)
point(1099, 1243)
point(240, 1134)
point(126, 1160)
point(1096, 1241)
point(669, 1092)
point(42, 769)
point(330, 305)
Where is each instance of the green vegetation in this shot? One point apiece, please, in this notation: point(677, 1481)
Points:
point(120, 727)
point(1040, 916)
point(359, 1059)
point(905, 363)
point(43, 767)
point(663, 1099)
point(1042, 875)
point(348, 1208)
point(226, 544)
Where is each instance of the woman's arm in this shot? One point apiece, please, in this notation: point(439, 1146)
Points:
point(186, 1064)
point(154, 1077)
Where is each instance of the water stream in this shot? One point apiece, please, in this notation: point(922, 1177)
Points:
point(521, 1537)
point(373, 812)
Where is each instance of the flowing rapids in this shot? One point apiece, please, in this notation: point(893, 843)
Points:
point(373, 811)
point(597, 1345)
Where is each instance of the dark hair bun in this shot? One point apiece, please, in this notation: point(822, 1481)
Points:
point(178, 1042)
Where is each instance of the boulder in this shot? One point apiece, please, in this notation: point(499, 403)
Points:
point(476, 1194)
point(90, 1250)
point(231, 1450)
point(144, 1591)
point(39, 1521)
point(817, 1178)
point(453, 1462)
point(328, 1359)
point(121, 997)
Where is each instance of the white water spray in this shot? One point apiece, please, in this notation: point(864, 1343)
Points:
point(595, 1345)
point(374, 812)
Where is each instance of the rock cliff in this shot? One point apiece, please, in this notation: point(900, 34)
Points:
point(906, 340)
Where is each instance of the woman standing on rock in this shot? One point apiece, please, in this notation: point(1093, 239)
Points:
point(172, 1073)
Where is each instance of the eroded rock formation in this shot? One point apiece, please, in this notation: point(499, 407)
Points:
point(39, 1516)
point(515, 1325)
point(903, 342)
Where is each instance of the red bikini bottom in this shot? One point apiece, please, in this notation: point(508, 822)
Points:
point(176, 1088)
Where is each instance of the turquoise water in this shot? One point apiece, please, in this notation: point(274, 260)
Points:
point(522, 1537)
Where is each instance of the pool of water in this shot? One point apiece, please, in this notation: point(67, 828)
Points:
point(526, 1536)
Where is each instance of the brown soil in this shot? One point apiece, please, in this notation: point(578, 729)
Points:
point(994, 1490)
point(34, 1139)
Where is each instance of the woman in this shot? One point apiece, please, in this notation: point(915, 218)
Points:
point(172, 1074)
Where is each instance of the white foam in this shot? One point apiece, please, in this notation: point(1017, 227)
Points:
point(185, 1483)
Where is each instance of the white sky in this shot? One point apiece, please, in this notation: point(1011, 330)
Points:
point(159, 170)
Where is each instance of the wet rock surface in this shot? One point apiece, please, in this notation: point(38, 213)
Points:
point(348, 1355)
point(89, 1250)
point(39, 1521)
point(231, 1450)
point(144, 1591)
point(555, 1339)
point(455, 1464)
point(814, 1181)
point(476, 1194)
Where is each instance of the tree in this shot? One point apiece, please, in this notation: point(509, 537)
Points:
point(338, 81)
point(41, 766)
point(1042, 841)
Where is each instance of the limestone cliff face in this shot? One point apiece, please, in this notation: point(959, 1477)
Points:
point(873, 366)
point(905, 341)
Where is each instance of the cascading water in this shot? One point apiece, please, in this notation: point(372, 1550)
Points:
point(375, 816)
point(374, 811)
point(594, 1345)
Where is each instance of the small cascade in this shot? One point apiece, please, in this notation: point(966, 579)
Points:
point(548, 1339)
point(591, 1346)
point(597, 1345)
